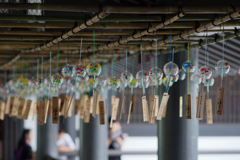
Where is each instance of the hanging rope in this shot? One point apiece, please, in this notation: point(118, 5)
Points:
point(50, 63)
point(188, 73)
point(222, 56)
point(126, 56)
point(93, 44)
point(80, 51)
point(57, 57)
point(142, 68)
point(27, 71)
point(37, 67)
point(22, 67)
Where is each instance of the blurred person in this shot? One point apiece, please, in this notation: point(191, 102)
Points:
point(64, 143)
point(24, 150)
point(116, 137)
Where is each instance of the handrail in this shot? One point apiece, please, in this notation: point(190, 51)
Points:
point(113, 153)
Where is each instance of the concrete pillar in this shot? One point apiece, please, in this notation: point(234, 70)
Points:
point(47, 140)
point(178, 137)
point(93, 136)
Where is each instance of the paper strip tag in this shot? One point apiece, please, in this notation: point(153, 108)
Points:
point(101, 113)
point(94, 103)
point(201, 102)
point(163, 104)
point(7, 107)
point(180, 106)
point(77, 105)
point(145, 109)
point(188, 107)
point(41, 113)
point(63, 98)
point(164, 110)
point(70, 110)
point(81, 107)
point(123, 106)
point(55, 110)
point(87, 112)
point(156, 105)
point(15, 106)
point(49, 108)
point(99, 98)
point(46, 110)
point(209, 111)
point(115, 108)
point(133, 100)
point(27, 109)
point(69, 106)
point(219, 104)
point(113, 100)
point(11, 106)
point(21, 109)
point(2, 110)
point(152, 109)
point(38, 106)
point(34, 110)
point(91, 105)
point(129, 112)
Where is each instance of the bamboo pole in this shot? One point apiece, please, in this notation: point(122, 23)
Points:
point(124, 33)
point(203, 43)
point(176, 25)
point(121, 18)
point(121, 9)
point(140, 18)
point(93, 20)
point(191, 32)
point(137, 35)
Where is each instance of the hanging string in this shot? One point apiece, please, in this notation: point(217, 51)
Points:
point(68, 52)
point(93, 44)
point(22, 67)
point(42, 68)
point(206, 46)
point(50, 63)
point(5, 77)
point(102, 63)
point(142, 68)
point(173, 54)
point(33, 67)
point(133, 65)
point(37, 67)
point(57, 57)
point(156, 50)
point(112, 68)
point(80, 51)
point(114, 74)
point(188, 73)
point(132, 73)
point(27, 71)
point(222, 56)
point(14, 72)
point(171, 43)
point(126, 56)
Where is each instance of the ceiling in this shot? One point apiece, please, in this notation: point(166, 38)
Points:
point(25, 30)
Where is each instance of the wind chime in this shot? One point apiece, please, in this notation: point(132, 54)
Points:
point(222, 67)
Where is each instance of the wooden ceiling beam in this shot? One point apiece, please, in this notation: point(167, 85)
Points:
point(121, 9)
point(176, 25)
point(111, 18)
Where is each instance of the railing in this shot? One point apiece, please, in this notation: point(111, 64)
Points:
point(114, 153)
